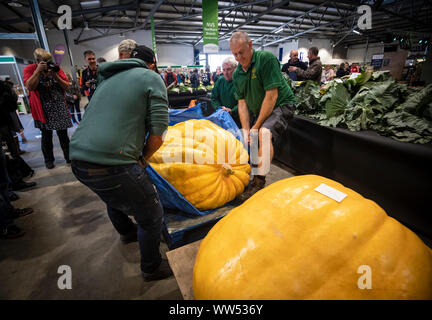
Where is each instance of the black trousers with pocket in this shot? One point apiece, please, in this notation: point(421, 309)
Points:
point(47, 144)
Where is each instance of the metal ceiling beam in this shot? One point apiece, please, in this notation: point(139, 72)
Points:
point(147, 20)
point(310, 30)
point(75, 13)
point(219, 9)
point(17, 13)
point(293, 20)
point(18, 36)
point(38, 24)
point(156, 6)
point(249, 20)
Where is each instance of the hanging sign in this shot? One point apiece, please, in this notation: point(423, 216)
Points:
point(210, 26)
point(59, 52)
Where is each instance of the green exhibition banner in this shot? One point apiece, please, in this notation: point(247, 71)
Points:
point(210, 26)
point(153, 36)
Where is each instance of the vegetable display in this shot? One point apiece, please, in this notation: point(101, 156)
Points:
point(372, 101)
point(289, 241)
point(204, 162)
point(183, 89)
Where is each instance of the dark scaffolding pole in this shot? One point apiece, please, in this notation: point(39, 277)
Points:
point(38, 24)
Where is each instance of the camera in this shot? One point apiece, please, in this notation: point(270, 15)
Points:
point(93, 84)
point(52, 66)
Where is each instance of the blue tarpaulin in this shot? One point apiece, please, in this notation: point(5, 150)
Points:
point(169, 196)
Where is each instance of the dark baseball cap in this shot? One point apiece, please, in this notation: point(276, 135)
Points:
point(144, 53)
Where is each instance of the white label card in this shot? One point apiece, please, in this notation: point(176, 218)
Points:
point(331, 192)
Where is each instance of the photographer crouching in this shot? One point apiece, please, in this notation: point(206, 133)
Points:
point(89, 75)
point(47, 83)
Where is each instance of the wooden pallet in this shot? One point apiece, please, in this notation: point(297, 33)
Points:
point(182, 261)
point(180, 228)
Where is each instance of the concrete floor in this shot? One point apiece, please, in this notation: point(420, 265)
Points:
point(70, 227)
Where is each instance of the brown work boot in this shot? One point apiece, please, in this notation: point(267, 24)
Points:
point(256, 185)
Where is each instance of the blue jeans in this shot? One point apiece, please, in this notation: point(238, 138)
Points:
point(128, 191)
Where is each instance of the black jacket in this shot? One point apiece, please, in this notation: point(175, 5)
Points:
point(8, 103)
point(298, 64)
point(89, 75)
point(341, 72)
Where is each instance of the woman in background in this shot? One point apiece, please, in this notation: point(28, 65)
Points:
point(47, 85)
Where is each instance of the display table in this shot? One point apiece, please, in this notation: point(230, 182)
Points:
point(394, 174)
point(182, 100)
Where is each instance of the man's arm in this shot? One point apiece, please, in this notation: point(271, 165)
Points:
point(243, 114)
point(157, 115)
point(215, 96)
point(311, 73)
point(84, 81)
point(267, 107)
point(303, 65)
point(62, 80)
point(152, 145)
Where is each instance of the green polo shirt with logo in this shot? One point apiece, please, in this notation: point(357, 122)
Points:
point(264, 73)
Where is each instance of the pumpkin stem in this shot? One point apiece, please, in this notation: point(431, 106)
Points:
point(227, 169)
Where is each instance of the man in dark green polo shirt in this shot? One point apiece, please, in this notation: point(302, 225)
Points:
point(264, 100)
point(222, 96)
point(129, 103)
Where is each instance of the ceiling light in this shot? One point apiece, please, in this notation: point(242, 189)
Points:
point(14, 3)
point(356, 31)
point(279, 30)
point(89, 4)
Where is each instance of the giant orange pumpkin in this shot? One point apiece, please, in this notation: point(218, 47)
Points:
point(204, 162)
point(289, 241)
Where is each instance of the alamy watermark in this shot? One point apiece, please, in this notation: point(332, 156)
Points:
point(65, 20)
point(65, 280)
point(209, 148)
point(365, 281)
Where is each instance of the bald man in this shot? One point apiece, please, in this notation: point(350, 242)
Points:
point(293, 62)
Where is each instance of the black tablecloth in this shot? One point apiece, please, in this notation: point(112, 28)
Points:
point(394, 174)
point(183, 100)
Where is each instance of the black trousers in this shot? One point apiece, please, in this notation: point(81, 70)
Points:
point(7, 136)
point(47, 144)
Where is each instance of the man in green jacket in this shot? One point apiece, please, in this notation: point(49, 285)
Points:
point(222, 96)
point(264, 100)
point(109, 151)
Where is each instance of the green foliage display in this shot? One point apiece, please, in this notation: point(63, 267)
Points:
point(372, 101)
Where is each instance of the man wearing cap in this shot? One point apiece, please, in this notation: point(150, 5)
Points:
point(109, 151)
point(265, 104)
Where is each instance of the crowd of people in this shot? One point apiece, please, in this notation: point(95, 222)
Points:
point(13, 169)
point(298, 70)
point(249, 86)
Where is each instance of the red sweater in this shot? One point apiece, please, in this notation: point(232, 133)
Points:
point(35, 102)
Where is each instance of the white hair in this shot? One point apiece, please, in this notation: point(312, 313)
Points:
point(240, 35)
point(231, 61)
point(127, 45)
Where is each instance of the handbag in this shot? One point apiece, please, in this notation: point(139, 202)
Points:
point(69, 98)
